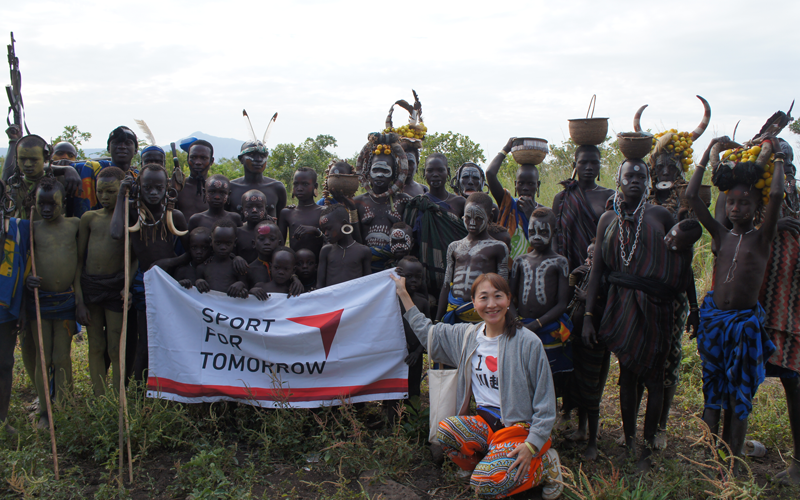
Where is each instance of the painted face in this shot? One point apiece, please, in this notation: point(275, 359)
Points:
point(527, 181)
point(412, 272)
point(331, 227)
point(587, 165)
point(540, 232)
point(435, 173)
point(254, 162)
point(107, 189)
point(217, 192)
point(254, 208)
point(282, 267)
point(122, 150)
point(200, 160)
point(412, 166)
point(306, 264)
point(633, 179)
point(667, 171)
point(199, 248)
point(49, 204)
point(154, 157)
point(31, 161)
point(400, 243)
point(470, 180)
point(153, 186)
point(268, 238)
point(490, 303)
point(741, 203)
point(303, 186)
point(380, 173)
point(476, 220)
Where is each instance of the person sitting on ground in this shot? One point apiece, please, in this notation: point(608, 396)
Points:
point(301, 222)
point(56, 242)
point(540, 284)
point(200, 251)
point(217, 192)
point(218, 272)
point(284, 261)
point(254, 208)
point(506, 447)
point(342, 258)
point(307, 269)
point(732, 342)
point(101, 265)
point(467, 259)
point(514, 213)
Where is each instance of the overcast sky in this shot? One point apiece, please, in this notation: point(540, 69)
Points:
point(489, 70)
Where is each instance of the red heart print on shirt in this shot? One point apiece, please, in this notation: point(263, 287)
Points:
point(491, 363)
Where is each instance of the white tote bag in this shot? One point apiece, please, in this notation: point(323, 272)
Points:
point(442, 388)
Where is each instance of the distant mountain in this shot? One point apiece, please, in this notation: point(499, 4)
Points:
point(223, 147)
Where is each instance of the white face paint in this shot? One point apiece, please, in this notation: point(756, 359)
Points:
point(540, 233)
point(380, 170)
point(674, 233)
point(475, 218)
point(624, 182)
point(636, 168)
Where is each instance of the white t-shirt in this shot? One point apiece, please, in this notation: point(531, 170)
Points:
point(485, 374)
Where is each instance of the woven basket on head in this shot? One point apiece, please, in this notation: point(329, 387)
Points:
point(529, 150)
point(635, 145)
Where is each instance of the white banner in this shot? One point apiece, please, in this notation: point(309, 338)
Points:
point(341, 342)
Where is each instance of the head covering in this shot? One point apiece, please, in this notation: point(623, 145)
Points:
point(187, 142)
point(254, 147)
point(121, 133)
point(150, 149)
point(65, 147)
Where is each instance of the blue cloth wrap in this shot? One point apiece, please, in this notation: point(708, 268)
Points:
point(559, 354)
point(137, 288)
point(12, 268)
point(54, 305)
point(462, 306)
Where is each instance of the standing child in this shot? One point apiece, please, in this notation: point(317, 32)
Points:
point(199, 251)
point(217, 191)
point(410, 268)
point(283, 265)
point(732, 341)
point(56, 242)
point(254, 208)
point(343, 258)
point(218, 272)
point(540, 282)
point(301, 223)
point(307, 269)
point(268, 239)
point(467, 259)
point(101, 266)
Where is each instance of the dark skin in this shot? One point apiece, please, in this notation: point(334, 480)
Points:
point(31, 162)
point(472, 256)
point(377, 217)
point(274, 191)
point(741, 290)
point(307, 268)
point(218, 273)
point(412, 188)
point(122, 152)
point(301, 223)
point(436, 177)
point(268, 238)
point(255, 210)
point(667, 170)
point(154, 157)
point(413, 273)
point(633, 182)
point(556, 289)
point(527, 183)
point(200, 251)
point(470, 181)
point(399, 246)
point(217, 192)
point(283, 265)
point(587, 168)
point(189, 201)
point(343, 258)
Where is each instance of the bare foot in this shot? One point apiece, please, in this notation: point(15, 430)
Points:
point(645, 464)
point(620, 440)
point(790, 476)
point(562, 423)
point(660, 441)
point(591, 452)
point(579, 435)
point(10, 429)
point(44, 423)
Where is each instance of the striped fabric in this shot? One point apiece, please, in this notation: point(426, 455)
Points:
point(513, 219)
point(680, 306)
point(637, 326)
point(576, 224)
point(472, 445)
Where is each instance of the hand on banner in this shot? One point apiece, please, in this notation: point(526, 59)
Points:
point(405, 298)
point(259, 293)
point(202, 286)
point(187, 284)
point(238, 290)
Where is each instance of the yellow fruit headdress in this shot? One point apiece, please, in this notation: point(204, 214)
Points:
point(674, 143)
point(413, 133)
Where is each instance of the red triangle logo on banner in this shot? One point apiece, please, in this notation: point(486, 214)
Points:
point(327, 323)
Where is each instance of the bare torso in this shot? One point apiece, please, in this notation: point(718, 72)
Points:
point(466, 260)
point(104, 255)
point(274, 192)
point(218, 273)
point(537, 279)
point(56, 252)
point(191, 202)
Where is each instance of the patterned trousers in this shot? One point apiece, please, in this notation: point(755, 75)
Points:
point(472, 445)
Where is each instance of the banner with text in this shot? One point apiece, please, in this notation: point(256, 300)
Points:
point(341, 342)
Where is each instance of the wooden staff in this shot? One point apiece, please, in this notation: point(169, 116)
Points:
point(123, 399)
point(45, 378)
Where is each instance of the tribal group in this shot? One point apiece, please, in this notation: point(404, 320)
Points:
point(602, 271)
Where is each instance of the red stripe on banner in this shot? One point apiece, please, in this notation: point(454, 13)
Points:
point(160, 384)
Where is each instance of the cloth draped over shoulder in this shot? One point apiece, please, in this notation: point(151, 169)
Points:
point(54, 305)
point(576, 224)
point(434, 229)
point(14, 267)
point(734, 348)
point(513, 219)
point(103, 289)
point(637, 324)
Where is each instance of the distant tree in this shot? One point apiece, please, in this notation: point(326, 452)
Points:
point(74, 136)
point(458, 148)
point(559, 161)
point(313, 153)
point(795, 126)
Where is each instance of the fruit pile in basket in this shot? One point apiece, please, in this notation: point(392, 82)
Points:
point(745, 154)
point(409, 131)
point(680, 144)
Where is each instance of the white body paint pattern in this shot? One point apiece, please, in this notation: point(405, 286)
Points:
point(463, 278)
point(541, 295)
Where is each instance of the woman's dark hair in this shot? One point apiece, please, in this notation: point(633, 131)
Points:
point(512, 322)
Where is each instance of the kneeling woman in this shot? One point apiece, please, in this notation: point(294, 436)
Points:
point(506, 445)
